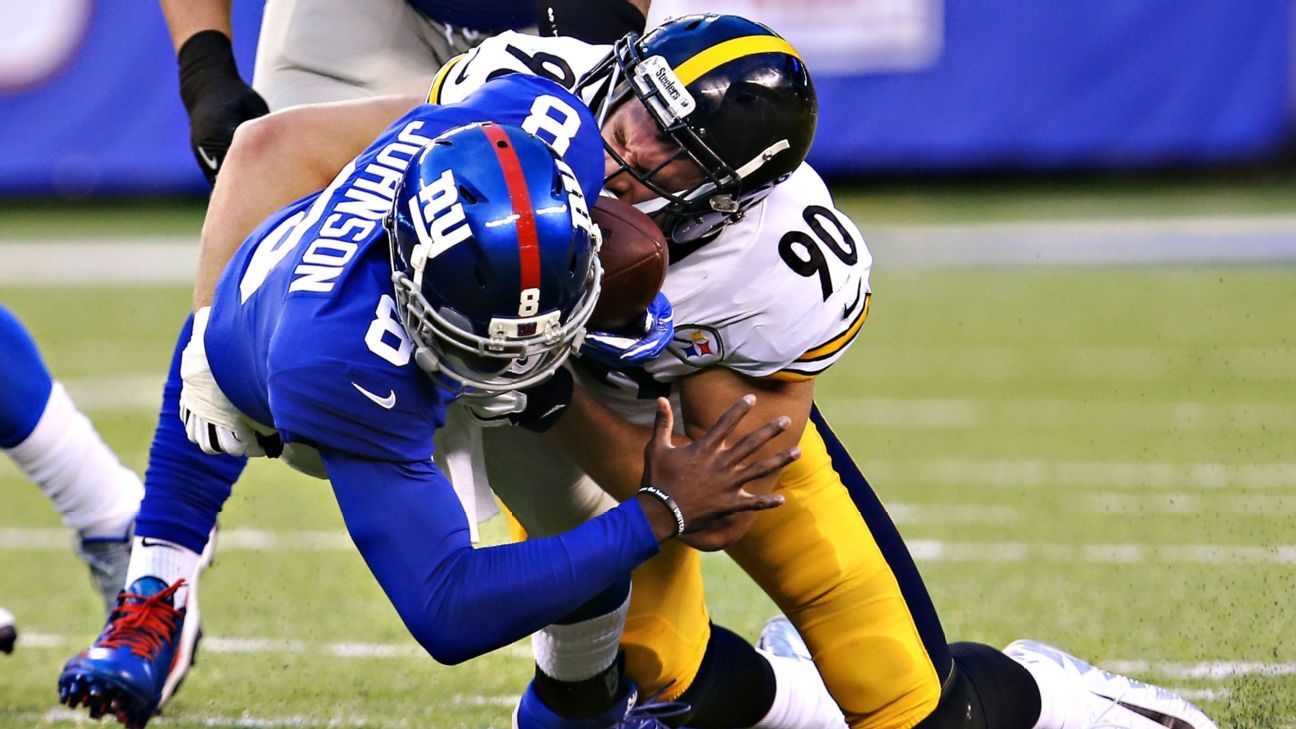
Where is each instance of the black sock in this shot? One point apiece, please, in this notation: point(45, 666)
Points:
point(580, 699)
point(734, 686)
point(590, 697)
point(986, 690)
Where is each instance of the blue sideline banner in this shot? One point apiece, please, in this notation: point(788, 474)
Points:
point(957, 85)
point(89, 101)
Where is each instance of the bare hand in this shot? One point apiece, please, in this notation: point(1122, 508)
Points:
point(705, 478)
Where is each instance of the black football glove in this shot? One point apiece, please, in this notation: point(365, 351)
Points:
point(216, 97)
point(593, 21)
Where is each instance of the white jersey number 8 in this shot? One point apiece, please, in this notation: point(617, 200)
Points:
point(556, 119)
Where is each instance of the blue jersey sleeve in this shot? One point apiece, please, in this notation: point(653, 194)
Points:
point(461, 602)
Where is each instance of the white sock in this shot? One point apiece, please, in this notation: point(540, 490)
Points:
point(164, 560)
point(1059, 703)
point(578, 651)
point(94, 492)
point(801, 700)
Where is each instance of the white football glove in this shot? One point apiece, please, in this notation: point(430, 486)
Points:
point(211, 420)
point(491, 411)
point(536, 408)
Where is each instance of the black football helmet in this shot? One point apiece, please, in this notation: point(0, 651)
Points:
point(734, 95)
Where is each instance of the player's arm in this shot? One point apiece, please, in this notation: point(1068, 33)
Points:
point(705, 395)
point(184, 18)
point(460, 602)
point(593, 21)
point(215, 96)
point(280, 158)
point(603, 443)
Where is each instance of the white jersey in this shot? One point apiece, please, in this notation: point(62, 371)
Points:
point(779, 294)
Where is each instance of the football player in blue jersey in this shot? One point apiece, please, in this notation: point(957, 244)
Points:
point(707, 119)
point(454, 256)
point(56, 446)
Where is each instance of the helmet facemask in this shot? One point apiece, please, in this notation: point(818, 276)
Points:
point(517, 353)
point(704, 113)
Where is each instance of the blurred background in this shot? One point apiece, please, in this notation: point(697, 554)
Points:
point(1076, 391)
point(88, 101)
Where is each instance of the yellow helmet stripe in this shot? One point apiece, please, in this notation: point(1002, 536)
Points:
point(434, 93)
point(722, 53)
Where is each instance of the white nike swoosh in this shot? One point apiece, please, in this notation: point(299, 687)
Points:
point(387, 403)
point(208, 160)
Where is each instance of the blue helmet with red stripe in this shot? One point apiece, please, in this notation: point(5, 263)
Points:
point(494, 257)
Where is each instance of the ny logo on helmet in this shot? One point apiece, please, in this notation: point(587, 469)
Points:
point(439, 221)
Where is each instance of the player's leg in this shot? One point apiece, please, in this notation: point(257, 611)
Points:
point(1076, 695)
point(579, 681)
point(331, 50)
point(133, 664)
point(671, 648)
point(897, 669)
point(55, 445)
point(834, 563)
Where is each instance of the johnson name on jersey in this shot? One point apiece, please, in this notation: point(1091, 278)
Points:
point(304, 334)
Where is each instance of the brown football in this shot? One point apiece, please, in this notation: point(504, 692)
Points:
point(634, 259)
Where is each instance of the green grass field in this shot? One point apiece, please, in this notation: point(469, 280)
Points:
point(1101, 458)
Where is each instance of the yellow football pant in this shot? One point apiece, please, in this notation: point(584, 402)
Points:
point(832, 561)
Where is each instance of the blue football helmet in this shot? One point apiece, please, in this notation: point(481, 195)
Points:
point(734, 96)
point(494, 258)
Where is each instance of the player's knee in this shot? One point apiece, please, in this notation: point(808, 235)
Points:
point(889, 688)
point(656, 665)
point(258, 136)
point(985, 689)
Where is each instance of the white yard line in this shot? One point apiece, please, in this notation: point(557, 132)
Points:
point(240, 539)
point(1088, 242)
point(1214, 671)
point(924, 550)
point(1186, 415)
point(120, 393)
point(142, 391)
point(28, 639)
point(247, 720)
point(108, 263)
point(172, 260)
point(1098, 474)
point(935, 550)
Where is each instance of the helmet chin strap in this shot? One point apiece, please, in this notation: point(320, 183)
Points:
point(648, 207)
point(759, 161)
point(426, 359)
point(607, 104)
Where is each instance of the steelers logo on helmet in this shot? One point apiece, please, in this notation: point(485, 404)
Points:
point(733, 95)
point(493, 258)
